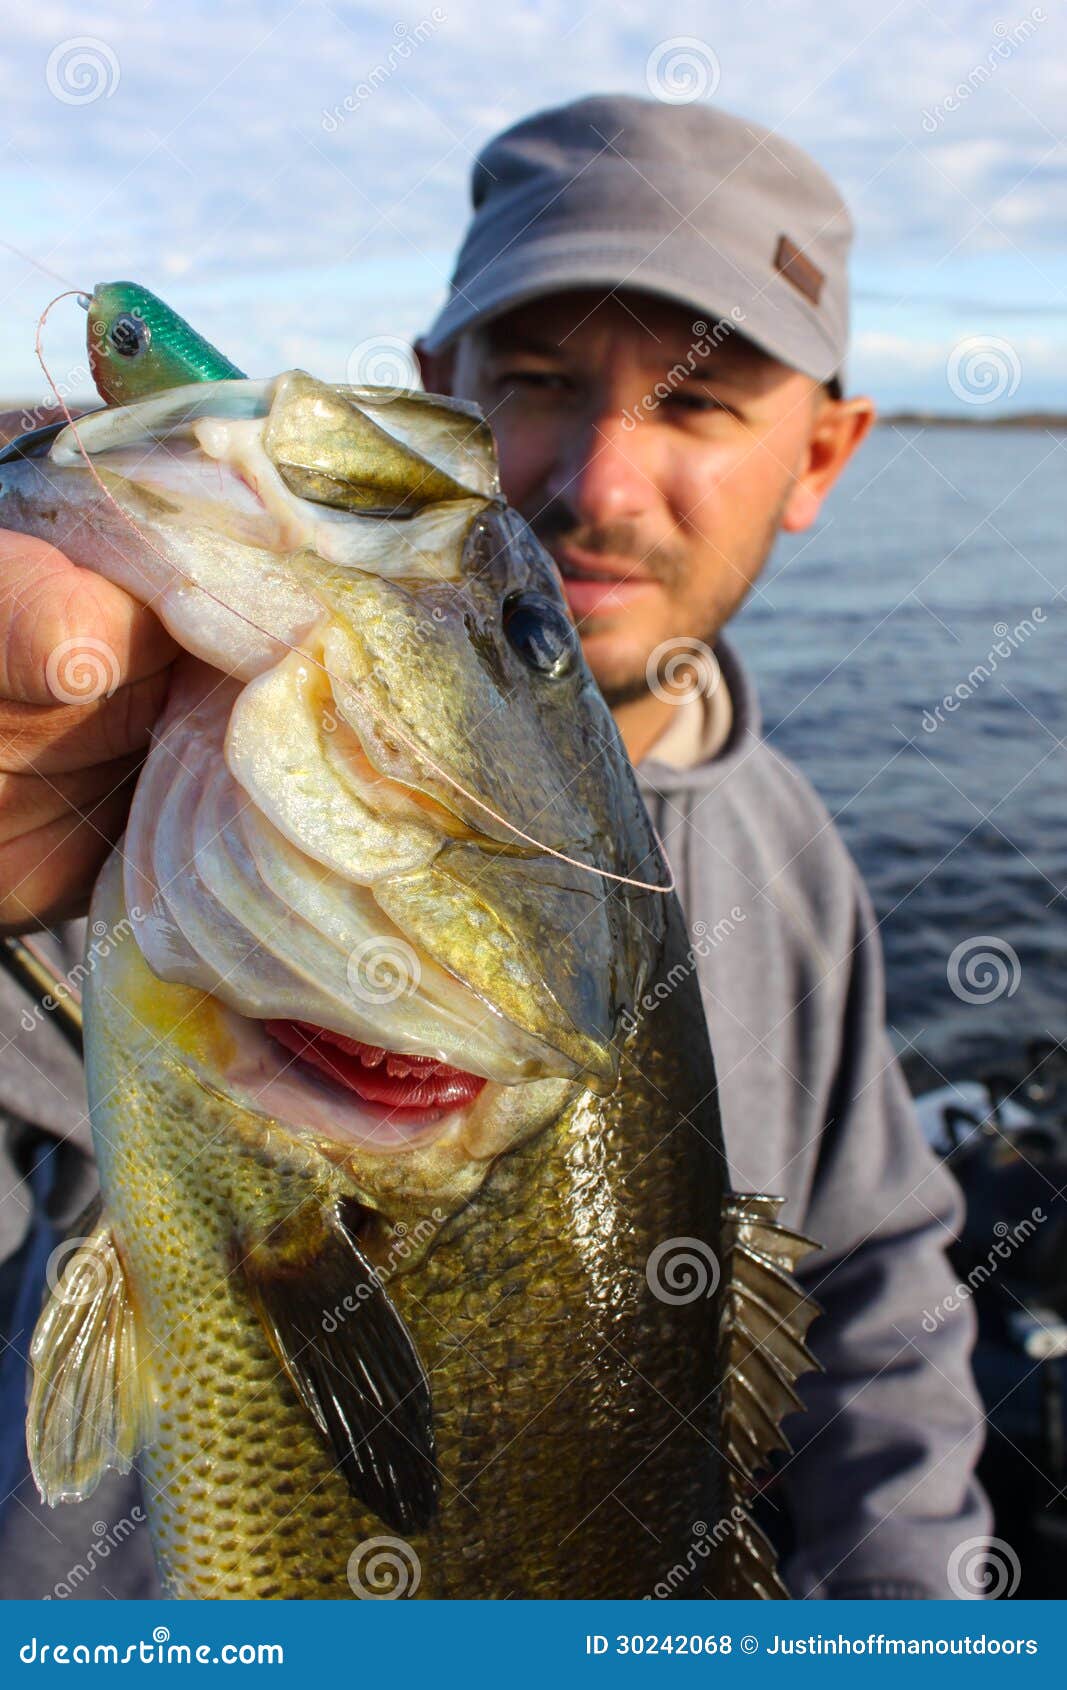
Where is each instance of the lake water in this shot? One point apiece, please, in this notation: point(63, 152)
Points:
point(938, 570)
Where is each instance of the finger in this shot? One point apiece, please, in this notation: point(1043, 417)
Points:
point(47, 876)
point(27, 802)
point(66, 634)
point(60, 739)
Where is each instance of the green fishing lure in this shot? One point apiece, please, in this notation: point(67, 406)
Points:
point(139, 346)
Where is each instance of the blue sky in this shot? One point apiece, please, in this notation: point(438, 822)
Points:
point(207, 151)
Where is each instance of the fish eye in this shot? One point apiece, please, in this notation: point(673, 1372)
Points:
point(129, 335)
point(542, 635)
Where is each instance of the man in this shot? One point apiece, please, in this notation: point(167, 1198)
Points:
point(651, 305)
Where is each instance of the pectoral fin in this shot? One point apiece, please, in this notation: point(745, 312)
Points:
point(762, 1351)
point(91, 1403)
point(350, 1359)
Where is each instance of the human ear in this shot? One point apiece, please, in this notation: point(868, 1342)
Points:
point(839, 428)
point(435, 368)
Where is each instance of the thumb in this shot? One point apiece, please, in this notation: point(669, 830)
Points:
point(67, 636)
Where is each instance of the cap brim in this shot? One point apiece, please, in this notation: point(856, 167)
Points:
point(779, 326)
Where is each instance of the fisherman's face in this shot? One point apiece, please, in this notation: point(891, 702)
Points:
point(655, 458)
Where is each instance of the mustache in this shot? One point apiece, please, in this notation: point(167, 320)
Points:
point(556, 523)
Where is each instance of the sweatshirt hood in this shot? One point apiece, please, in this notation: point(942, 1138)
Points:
point(746, 729)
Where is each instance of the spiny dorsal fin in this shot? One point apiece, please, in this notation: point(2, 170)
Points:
point(762, 1352)
point(91, 1402)
point(362, 1382)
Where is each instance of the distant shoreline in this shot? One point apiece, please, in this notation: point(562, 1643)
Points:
point(1056, 421)
point(1053, 421)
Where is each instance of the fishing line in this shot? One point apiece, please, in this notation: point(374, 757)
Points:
point(44, 268)
point(389, 727)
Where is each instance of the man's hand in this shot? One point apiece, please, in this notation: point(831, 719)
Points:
point(84, 671)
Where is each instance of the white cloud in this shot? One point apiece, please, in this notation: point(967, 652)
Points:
point(210, 169)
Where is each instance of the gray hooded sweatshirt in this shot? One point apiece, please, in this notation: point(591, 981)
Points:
point(878, 1490)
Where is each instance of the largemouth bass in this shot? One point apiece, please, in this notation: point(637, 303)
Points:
point(417, 1249)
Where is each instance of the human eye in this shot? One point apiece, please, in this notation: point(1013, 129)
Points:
point(697, 403)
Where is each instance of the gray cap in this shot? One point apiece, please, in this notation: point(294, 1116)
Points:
point(684, 201)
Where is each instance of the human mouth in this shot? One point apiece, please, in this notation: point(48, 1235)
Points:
point(596, 585)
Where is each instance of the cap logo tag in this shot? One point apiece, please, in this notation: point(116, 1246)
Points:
point(798, 269)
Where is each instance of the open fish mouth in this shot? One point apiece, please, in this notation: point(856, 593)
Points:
point(410, 1087)
point(338, 1021)
point(342, 1093)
